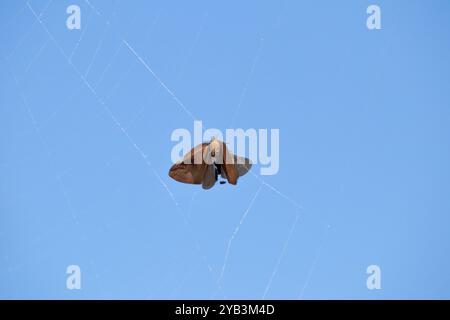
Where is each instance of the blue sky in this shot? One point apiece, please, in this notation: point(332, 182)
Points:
point(364, 149)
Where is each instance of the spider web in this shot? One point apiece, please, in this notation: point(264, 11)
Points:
point(217, 274)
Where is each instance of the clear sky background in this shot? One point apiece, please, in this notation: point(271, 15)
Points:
point(364, 119)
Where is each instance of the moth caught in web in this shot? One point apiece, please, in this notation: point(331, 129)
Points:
point(206, 162)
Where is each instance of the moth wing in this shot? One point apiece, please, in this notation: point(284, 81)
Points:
point(209, 179)
point(195, 155)
point(243, 165)
point(186, 170)
point(188, 173)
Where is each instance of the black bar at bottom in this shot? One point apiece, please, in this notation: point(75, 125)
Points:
point(223, 309)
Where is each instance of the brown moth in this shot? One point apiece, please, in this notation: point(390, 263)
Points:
point(205, 162)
